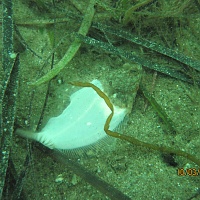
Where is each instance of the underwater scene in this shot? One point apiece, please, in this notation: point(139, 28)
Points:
point(100, 99)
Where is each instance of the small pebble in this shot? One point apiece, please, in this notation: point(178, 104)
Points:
point(59, 179)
